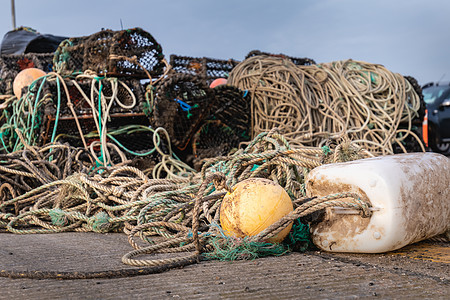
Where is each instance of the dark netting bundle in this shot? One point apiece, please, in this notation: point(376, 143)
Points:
point(113, 53)
point(183, 101)
point(209, 68)
point(233, 109)
point(296, 60)
point(11, 65)
point(213, 139)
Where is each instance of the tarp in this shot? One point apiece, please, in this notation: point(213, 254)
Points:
point(25, 40)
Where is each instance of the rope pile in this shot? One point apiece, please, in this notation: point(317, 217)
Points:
point(39, 114)
point(22, 172)
point(311, 104)
point(303, 115)
point(166, 213)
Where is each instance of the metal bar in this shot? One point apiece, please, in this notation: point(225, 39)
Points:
point(13, 14)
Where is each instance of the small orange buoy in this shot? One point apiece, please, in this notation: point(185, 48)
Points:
point(425, 128)
point(254, 205)
point(25, 78)
point(217, 82)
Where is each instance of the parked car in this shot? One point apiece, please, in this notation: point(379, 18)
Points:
point(437, 101)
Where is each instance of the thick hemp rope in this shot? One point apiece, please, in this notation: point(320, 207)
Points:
point(27, 115)
point(312, 104)
point(164, 213)
point(194, 243)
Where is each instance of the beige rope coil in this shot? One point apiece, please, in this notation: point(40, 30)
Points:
point(346, 99)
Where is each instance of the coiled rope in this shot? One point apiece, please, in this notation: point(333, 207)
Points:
point(363, 102)
point(165, 213)
point(26, 117)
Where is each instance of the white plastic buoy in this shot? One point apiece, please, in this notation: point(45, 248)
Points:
point(410, 197)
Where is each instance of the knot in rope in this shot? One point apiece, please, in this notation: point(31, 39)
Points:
point(100, 222)
point(362, 204)
point(118, 191)
point(220, 182)
point(357, 203)
point(58, 217)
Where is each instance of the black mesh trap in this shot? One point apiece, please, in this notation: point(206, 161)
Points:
point(112, 53)
point(214, 138)
point(418, 89)
point(133, 141)
point(69, 56)
point(128, 98)
point(232, 108)
point(299, 61)
point(11, 65)
point(183, 101)
point(209, 68)
point(137, 143)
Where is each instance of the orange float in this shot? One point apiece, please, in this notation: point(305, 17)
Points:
point(25, 78)
point(217, 82)
point(254, 205)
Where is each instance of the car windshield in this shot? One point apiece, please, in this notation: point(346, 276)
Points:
point(432, 93)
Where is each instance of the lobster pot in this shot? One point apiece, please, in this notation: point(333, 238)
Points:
point(409, 194)
point(209, 68)
point(122, 99)
point(182, 103)
point(112, 53)
point(127, 96)
point(69, 55)
point(232, 108)
point(299, 61)
point(213, 139)
point(67, 129)
point(11, 65)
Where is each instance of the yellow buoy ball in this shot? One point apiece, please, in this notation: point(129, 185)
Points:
point(254, 205)
point(25, 78)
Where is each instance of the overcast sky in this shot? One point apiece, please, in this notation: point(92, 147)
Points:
point(410, 37)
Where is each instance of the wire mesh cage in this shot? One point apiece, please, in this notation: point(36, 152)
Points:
point(128, 131)
point(69, 56)
point(410, 142)
point(11, 65)
point(299, 61)
point(233, 109)
point(209, 68)
point(214, 138)
point(116, 95)
point(113, 53)
point(120, 105)
point(183, 101)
